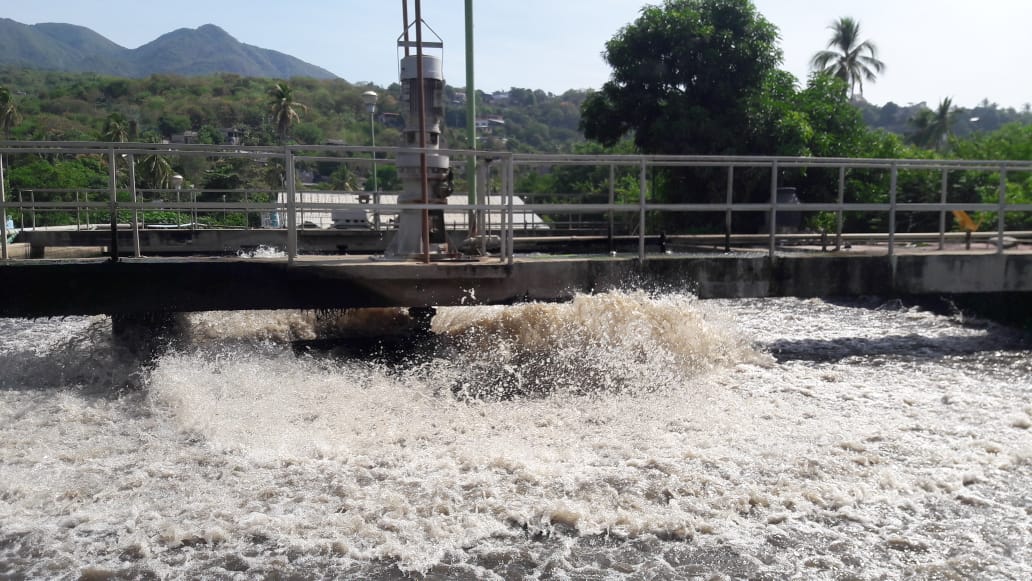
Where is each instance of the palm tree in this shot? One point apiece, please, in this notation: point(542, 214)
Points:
point(285, 110)
point(155, 171)
point(933, 129)
point(9, 115)
point(116, 128)
point(851, 60)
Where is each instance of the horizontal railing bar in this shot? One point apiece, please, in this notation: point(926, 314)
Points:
point(521, 208)
point(173, 149)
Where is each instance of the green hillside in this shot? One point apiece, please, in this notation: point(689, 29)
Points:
point(203, 51)
point(74, 106)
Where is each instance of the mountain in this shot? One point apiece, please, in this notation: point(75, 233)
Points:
point(188, 52)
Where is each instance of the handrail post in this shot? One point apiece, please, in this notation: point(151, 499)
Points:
point(893, 183)
point(511, 189)
point(136, 212)
point(112, 177)
point(484, 222)
point(612, 201)
point(288, 158)
point(942, 213)
point(503, 240)
point(727, 212)
point(641, 211)
point(841, 204)
point(1001, 221)
point(773, 221)
point(3, 213)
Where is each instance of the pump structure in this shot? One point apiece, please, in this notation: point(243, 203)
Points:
point(426, 176)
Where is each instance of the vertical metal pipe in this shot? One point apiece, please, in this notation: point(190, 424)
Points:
point(471, 121)
point(376, 182)
point(136, 212)
point(112, 177)
point(641, 211)
point(942, 213)
point(502, 238)
point(612, 200)
point(773, 221)
point(841, 201)
point(511, 189)
point(1001, 221)
point(893, 182)
point(288, 159)
point(484, 222)
point(421, 93)
point(405, 24)
point(372, 138)
point(727, 212)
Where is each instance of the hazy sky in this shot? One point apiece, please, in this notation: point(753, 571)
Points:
point(932, 48)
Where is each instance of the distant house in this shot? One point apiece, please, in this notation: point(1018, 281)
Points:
point(231, 135)
point(490, 123)
point(187, 137)
point(391, 120)
point(498, 97)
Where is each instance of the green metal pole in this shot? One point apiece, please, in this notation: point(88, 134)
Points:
point(471, 120)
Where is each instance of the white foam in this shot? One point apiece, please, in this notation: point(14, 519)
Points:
point(240, 450)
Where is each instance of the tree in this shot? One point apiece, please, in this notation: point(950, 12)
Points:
point(116, 129)
point(684, 77)
point(387, 179)
point(9, 115)
point(285, 110)
point(309, 133)
point(155, 171)
point(173, 123)
point(852, 60)
point(933, 129)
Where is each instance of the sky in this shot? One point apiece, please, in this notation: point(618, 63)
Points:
point(932, 48)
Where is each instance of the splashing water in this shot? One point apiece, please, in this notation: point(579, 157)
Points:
point(607, 342)
point(621, 434)
point(262, 251)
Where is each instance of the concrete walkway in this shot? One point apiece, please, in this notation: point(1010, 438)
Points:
point(145, 285)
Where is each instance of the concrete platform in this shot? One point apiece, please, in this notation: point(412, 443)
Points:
point(132, 286)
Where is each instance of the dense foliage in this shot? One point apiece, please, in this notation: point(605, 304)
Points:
point(686, 77)
point(702, 77)
point(689, 77)
point(54, 106)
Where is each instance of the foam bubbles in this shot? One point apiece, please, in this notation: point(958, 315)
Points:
point(624, 432)
point(607, 342)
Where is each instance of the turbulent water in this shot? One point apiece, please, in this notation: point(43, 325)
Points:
point(620, 435)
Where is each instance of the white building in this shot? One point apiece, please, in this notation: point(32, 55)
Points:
point(315, 208)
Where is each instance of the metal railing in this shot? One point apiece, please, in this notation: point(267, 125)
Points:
point(636, 207)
